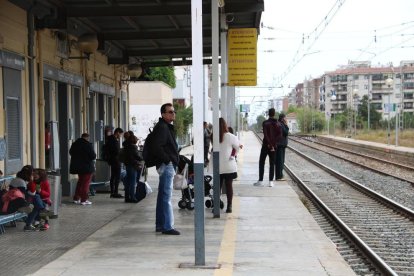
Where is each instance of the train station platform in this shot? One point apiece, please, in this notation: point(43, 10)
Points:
point(270, 232)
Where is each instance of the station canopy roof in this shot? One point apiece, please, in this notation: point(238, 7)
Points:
point(151, 32)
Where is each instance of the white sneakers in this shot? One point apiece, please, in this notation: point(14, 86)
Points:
point(261, 184)
point(258, 184)
point(87, 202)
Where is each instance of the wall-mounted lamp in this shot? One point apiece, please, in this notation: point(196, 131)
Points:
point(134, 71)
point(221, 3)
point(87, 44)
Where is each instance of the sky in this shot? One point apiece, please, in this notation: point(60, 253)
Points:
point(304, 39)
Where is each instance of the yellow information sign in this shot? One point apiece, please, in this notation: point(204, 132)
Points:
point(242, 57)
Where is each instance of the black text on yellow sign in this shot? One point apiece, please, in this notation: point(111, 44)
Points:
point(242, 57)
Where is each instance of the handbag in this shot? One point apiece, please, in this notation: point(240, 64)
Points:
point(180, 179)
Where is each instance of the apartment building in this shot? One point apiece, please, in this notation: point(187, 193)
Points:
point(390, 89)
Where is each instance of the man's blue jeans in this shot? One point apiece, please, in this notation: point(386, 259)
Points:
point(164, 219)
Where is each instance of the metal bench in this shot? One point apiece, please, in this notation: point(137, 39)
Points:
point(10, 218)
point(94, 185)
point(100, 179)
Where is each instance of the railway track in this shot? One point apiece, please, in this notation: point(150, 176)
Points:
point(382, 229)
point(380, 165)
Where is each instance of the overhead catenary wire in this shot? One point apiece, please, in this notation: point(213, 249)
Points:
point(312, 37)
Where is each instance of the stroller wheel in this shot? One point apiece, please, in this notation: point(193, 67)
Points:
point(182, 204)
point(209, 203)
point(190, 205)
point(221, 204)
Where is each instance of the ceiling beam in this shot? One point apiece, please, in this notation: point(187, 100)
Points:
point(162, 63)
point(168, 52)
point(166, 9)
point(145, 35)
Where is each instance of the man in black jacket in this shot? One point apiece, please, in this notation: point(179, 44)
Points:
point(112, 147)
point(282, 143)
point(81, 163)
point(165, 148)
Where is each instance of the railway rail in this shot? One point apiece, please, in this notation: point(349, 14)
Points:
point(382, 229)
point(379, 165)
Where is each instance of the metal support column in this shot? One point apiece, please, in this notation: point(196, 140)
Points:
point(198, 104)
point(32, 94)
point(223, 46)
point(216, 106)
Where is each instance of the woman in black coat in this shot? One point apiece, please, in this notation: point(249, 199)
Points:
point(132, 164)
point(82, 163)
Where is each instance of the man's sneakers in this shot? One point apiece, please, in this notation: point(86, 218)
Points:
point(86, 202)
point(281, 179)
point(258, 184)
point(171, 232)
point(30, 228)
point(271, 183)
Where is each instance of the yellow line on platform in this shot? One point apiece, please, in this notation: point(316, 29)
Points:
point(228, 242)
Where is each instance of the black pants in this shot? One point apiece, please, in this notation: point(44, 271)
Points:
point(115, 177)
point(264, 152)
point(206, 154)
point(280, 161)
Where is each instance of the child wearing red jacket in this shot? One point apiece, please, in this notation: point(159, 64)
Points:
point(41, 186)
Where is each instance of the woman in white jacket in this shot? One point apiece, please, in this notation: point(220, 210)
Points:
point(228, 166)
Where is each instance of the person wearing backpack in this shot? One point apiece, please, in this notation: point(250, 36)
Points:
point(164, 149)
point(112, 148)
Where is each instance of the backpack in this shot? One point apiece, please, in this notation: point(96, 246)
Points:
point(149, 158)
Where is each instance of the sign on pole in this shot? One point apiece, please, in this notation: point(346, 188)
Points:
point(242, 57)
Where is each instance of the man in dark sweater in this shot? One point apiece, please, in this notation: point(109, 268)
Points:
point(113, 147)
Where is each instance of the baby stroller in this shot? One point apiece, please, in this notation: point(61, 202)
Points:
point(187, 194)
point(208, 192)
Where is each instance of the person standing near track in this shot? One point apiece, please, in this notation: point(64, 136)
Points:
point(271, 130)
point(282, 142)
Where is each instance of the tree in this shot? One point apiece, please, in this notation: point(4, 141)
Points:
point(259, 121)
point(374, 115)
point(183, 120)
point(310, 119)
point(165, 74)
point(291, 109)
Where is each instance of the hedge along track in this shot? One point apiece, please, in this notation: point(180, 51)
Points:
point(378, 165)
point(381, 228)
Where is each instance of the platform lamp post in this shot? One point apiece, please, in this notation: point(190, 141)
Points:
point(369, 110)
point(333, 98)
point(389, 82)
point(355, 99)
